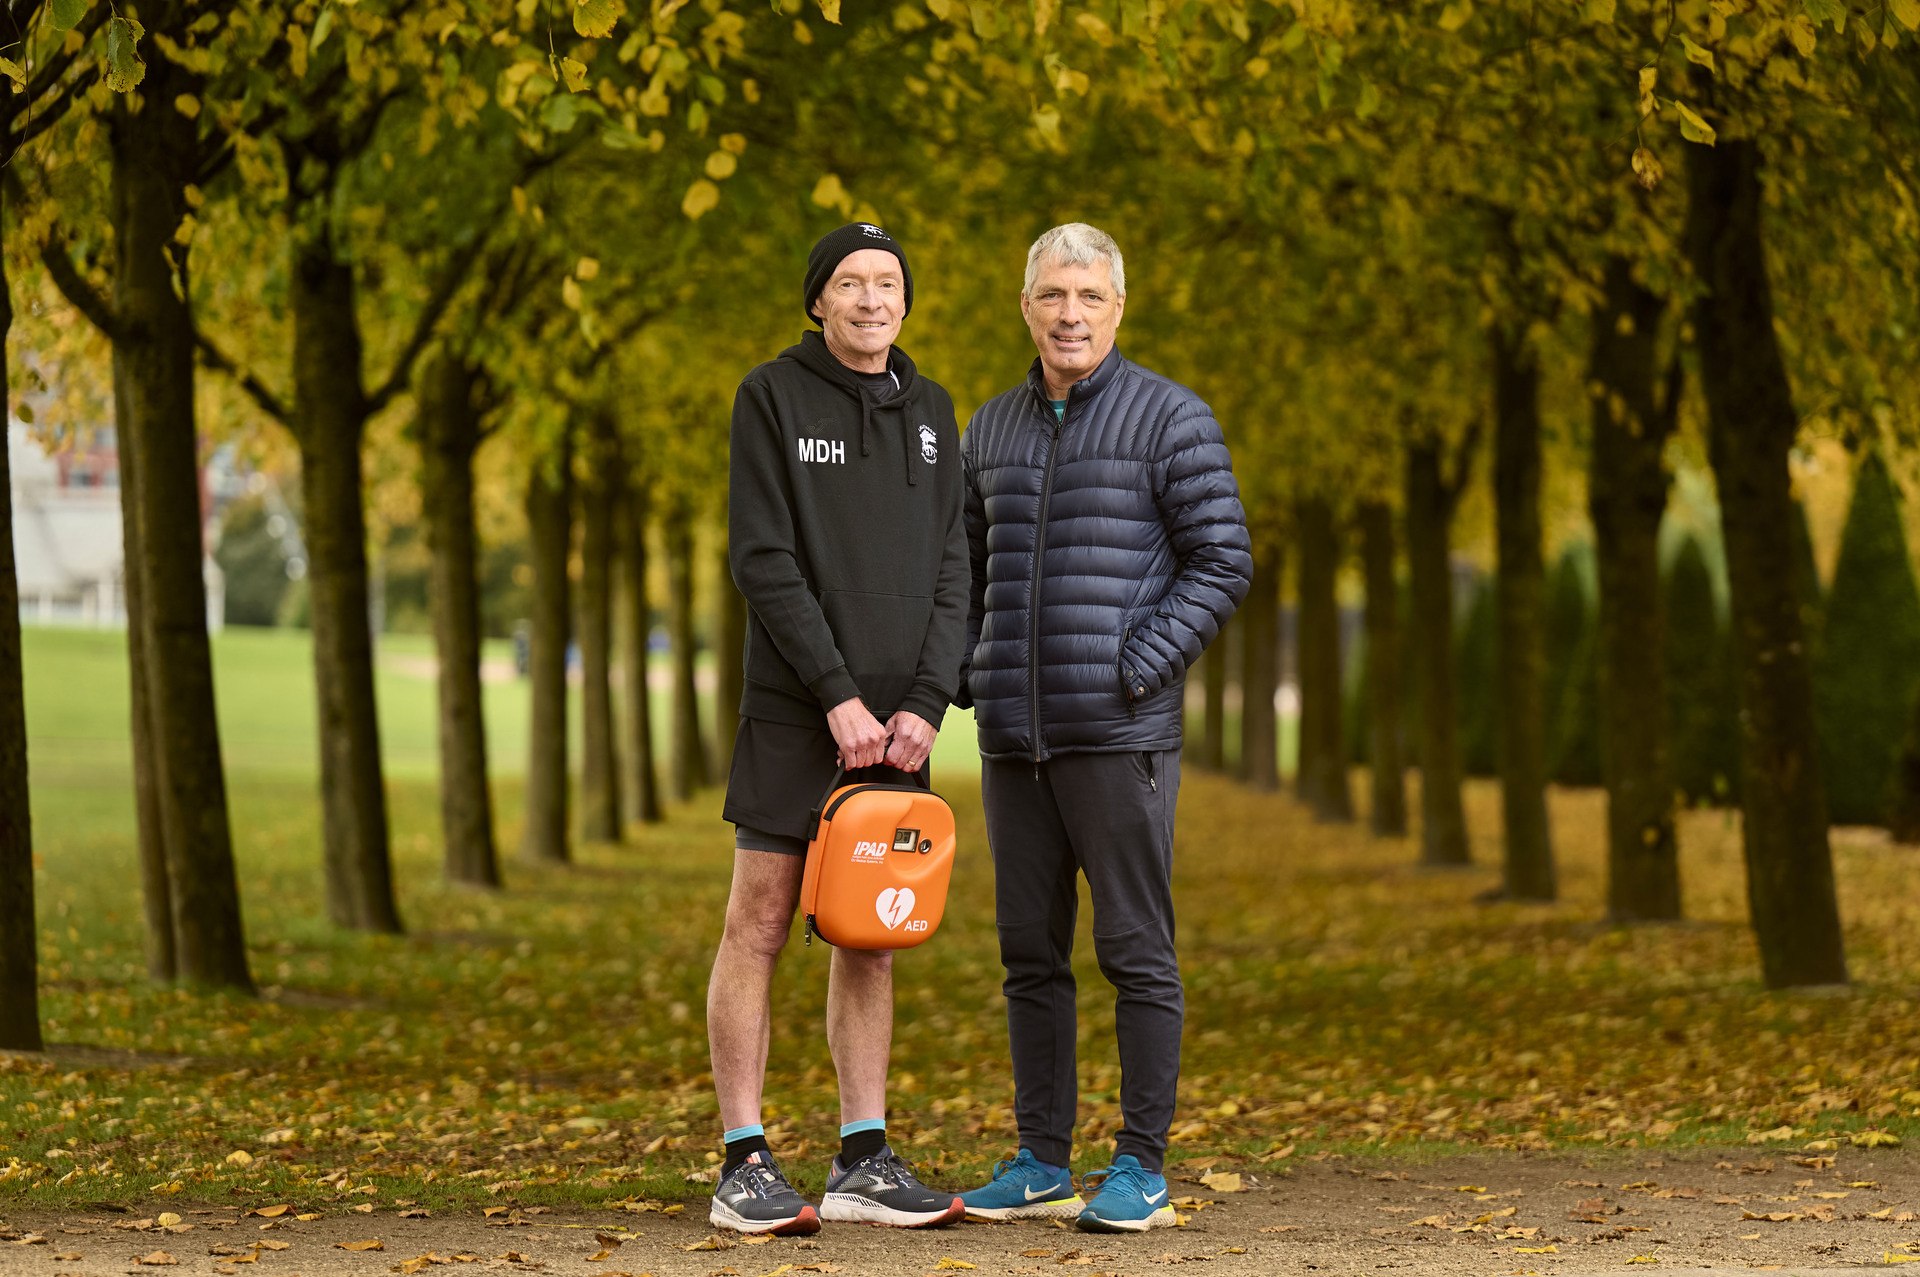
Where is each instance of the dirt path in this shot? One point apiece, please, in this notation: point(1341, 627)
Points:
point(1545, 1214)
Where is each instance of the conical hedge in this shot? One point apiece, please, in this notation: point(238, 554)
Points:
point(1703, 711)
point(1573, 673)
point(1479, 691)
point(1867, 665)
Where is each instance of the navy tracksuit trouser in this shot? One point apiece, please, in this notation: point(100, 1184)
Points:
point(1109, 816)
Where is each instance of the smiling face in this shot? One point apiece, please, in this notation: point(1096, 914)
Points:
point(861, 307)
point(1074, 314)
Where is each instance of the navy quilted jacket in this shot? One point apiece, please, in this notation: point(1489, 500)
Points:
point(1107, 552)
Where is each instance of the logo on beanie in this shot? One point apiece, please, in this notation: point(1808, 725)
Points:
point(928, 452)
point(874, 231)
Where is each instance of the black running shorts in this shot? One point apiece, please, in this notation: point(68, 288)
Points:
point(780, 773)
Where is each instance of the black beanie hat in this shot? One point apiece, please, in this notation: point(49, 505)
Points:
point(835, 247)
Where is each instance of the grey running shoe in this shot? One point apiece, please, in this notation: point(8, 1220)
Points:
point(881, 1190)
point(756, 1198)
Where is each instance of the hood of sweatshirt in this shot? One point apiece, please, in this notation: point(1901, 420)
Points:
point(812, 354)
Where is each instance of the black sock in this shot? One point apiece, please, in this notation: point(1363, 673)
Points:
point(740, 1150)
point(861, 1144)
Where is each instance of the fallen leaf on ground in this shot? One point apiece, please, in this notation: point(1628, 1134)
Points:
point(271, 1212)
point(948, 1264)
point(1223, 1181)
point(1771, 1217)
point(158, 1257)
point(372, 1243)
point(268, 1243)
point(1548, 1249)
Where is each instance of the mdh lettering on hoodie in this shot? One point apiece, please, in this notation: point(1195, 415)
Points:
point(829, 451)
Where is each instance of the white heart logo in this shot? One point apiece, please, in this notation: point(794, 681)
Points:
point(894, 906)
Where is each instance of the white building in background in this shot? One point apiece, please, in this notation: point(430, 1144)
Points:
point(69, 558)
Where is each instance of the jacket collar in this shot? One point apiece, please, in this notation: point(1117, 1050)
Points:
point(1084, 389)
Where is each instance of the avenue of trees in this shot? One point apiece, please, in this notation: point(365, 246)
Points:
point(490, 260)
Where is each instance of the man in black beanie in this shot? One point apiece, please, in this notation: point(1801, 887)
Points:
point(848, 542)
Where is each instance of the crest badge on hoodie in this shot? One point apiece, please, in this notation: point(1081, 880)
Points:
point(928, 452)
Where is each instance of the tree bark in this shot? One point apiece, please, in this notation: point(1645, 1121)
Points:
point(600, 759)
point(330, 415)
point(1627, 497)
point(1323, 753)
point(549, 542)
point(729, 660)
point(1260, 675)
point(687, 766)
point(1527, 864)
point(1443, 818)
point(19, 935)
point(156, 894)
point(449, 437)
point(154, 153)
point(1752, 425)
point(1387, 815)
point(642, 777)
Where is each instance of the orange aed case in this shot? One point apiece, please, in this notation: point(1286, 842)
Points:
point(878, 866)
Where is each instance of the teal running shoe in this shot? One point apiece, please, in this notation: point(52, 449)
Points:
point(1025, 1188)
point(1131, 1199)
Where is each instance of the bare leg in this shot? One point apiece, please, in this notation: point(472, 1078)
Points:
point(766, 889)
point(860, 1029)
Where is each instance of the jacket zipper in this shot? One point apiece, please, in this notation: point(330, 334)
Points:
point(1033, 598)
point(1125, 689)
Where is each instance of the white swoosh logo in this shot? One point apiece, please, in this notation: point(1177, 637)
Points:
point(1033, 1196)
point(1154, 1197)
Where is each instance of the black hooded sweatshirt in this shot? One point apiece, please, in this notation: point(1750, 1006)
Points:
point(844, 518)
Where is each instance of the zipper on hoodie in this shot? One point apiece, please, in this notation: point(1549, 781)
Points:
point(1033, 598)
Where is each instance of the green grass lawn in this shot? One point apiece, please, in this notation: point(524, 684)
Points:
point(547, 1043)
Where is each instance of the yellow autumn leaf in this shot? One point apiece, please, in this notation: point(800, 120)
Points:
point(1600, 10)
point(1895, 1257)
point(1644, 1259)
point(1548, 1249)
point(1697, 55)
point(830, 10)
point(1223, 1181)
point(1907, 13)
point(829, 193)
point(587, 268)
point(239, 1157)
point(574, 72)
point(701, 198)
point(949, 1265)
point(372, 1243)
point(734, 143)
point(1876, 1139)
point(596, 19)
point(721, 165)
point(1695, 129)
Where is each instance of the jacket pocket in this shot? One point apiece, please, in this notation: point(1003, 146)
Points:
point(879, 637)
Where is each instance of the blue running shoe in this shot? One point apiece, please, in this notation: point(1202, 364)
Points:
point(1131, 1199)
point(1025, 1188)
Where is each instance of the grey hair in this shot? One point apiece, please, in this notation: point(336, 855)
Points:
point(1076, 244)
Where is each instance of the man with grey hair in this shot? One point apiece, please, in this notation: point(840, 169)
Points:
point(1108, 547)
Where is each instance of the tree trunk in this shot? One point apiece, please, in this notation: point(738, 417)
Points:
point(1751, 430)
point(642, 778)
point(1443, 819)
point(1905, 823)
point(1260, 676)
point(729, 660)
point(1323, 751)
point(1388, 810)
point(156, 894)
point(687, 766)
point(1527, 865)
point(549, 542)
point(154, 151)
point(1627, 496)
point(449, 436)
point(330, 414)
point(19, 937)
point(600, 758)
point(1213, 727)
